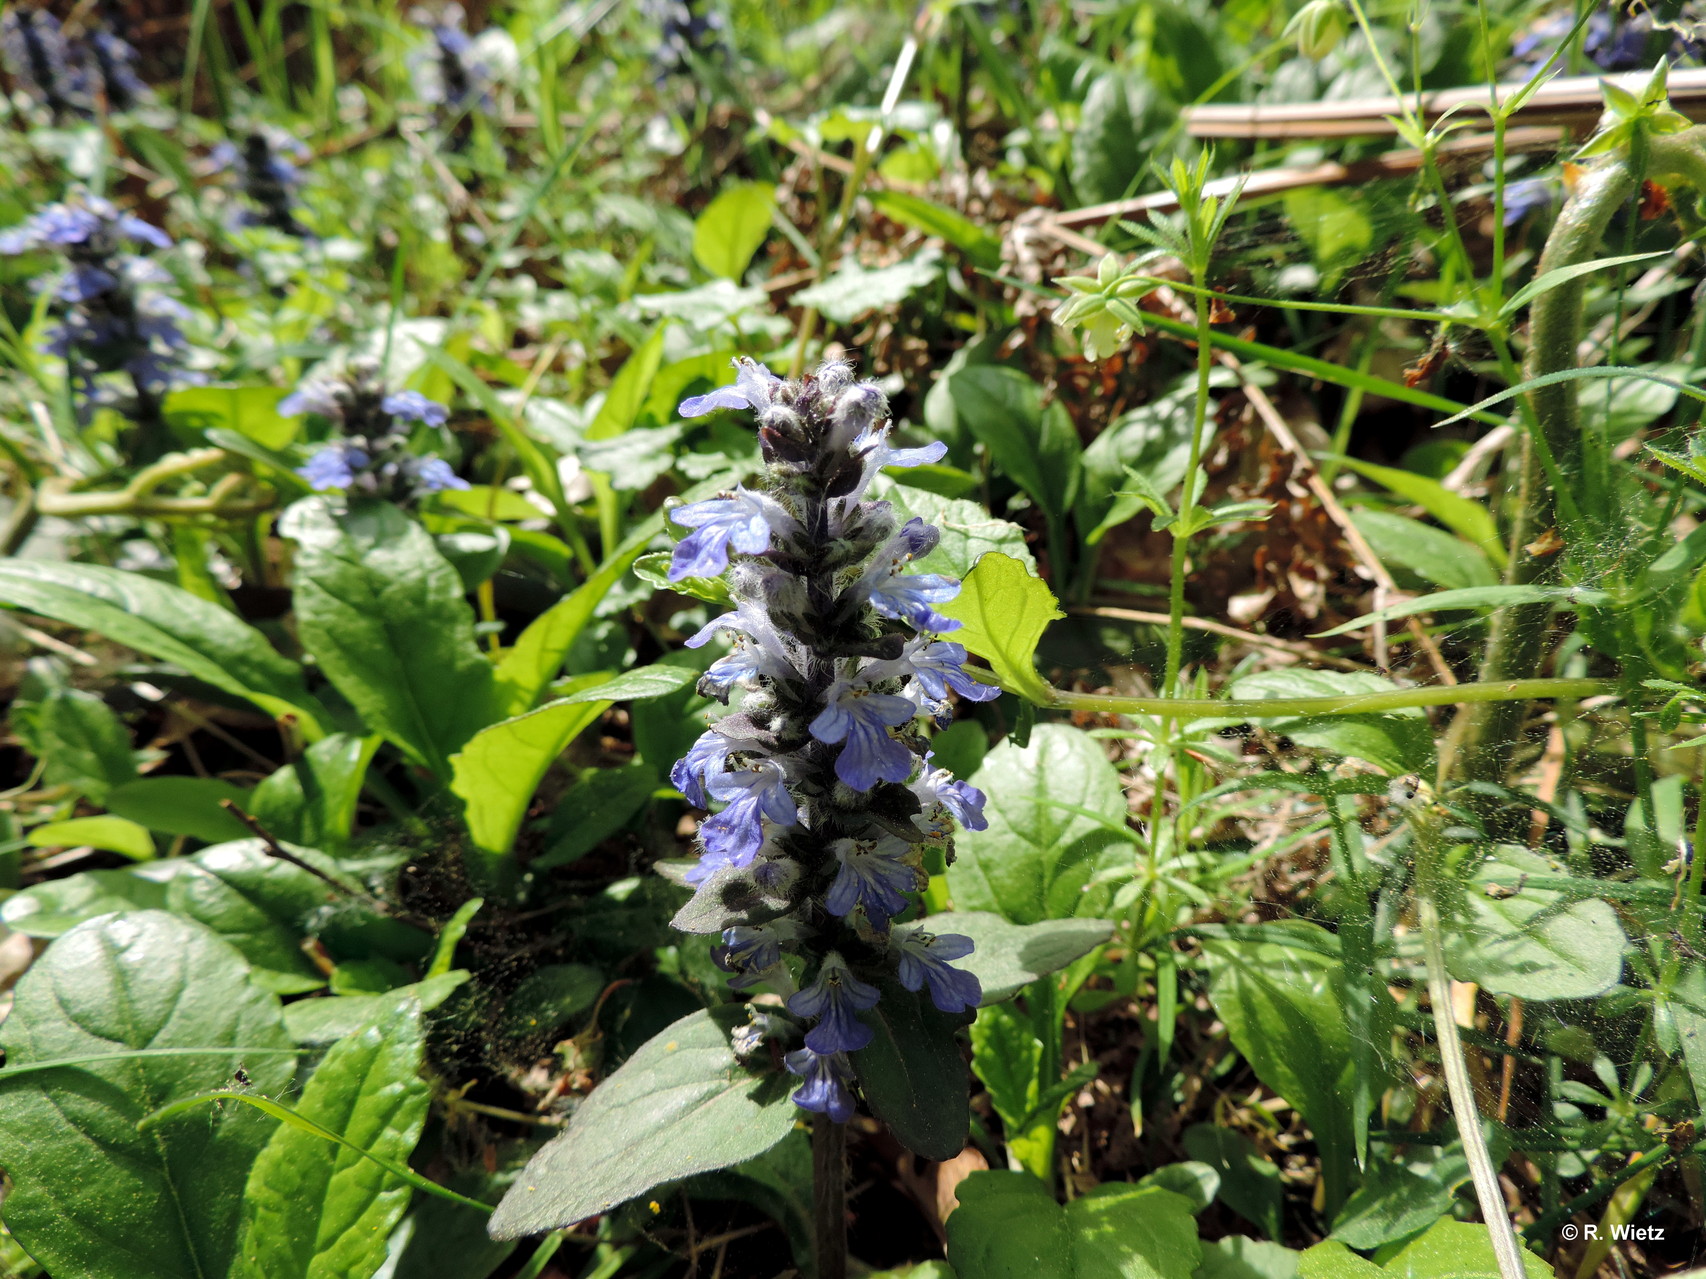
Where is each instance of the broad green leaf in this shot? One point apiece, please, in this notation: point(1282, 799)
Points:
point(312, 799)
point(1532, 942)
point(682, 1104)
point(1007, 1056)
point(968, 531)
point(1396, 1200)
point(91, 1195)
point(1249, 1184)
point(983, 247)
point(167, 623)
point(496, 774)
point(250, 411)
point(56, 906)
point(315, 1210)
point(326, 1020)
point(1424, 550)
point(1236, 1257)
point(1473, 597)
point(602, 803)
point(1468, 519)
point(1457, 1250)
point(639, 684)
point(1036, 860)
point(548, 998)
point(114, 834)
point(913, 1074)
point(79, 740)
point(1011, 956)
point(1033, 444)
point(1393, 741)
point(1284, 1008)
point(383, 613)
point(1008, 1226)
point(484, 502)
point(732, 227)
point(853, 290)
point(1004, 610)
point(1107, 154)
point(181, 806)
point(263, 906)
point(1330, 1259)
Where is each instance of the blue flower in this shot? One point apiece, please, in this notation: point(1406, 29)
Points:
point(825, 1086)
point(333, 467)
point(759, 649)
point(834, 1000)
point(434, 475)
point(708, 755)
point(754, 387)
point(924, 961)
point(861, 719)
point(415, 407)
point(753, 952)
point(323, 396)
point(1528, 195)
point(910, 597)
point(754, 793)
point(935, 666)
point(938, 789)
point(743, 520)
point(873, 874)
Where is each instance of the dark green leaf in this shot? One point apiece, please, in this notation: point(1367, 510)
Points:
point(58, 905)
point(93, 1196)
point(549, 997)
point(1395, 742)
point(605, 800)
point(1430, 553)
point(383, 613)
point(1011, 956)
point(680, 1105)
point(1008, 1226)
point(1037, 857)
point(315, 1210)
point(181, 806)
point(913, 1075)
point(1107, 153)
point(80, 742)
point(1249, 1184)
point(165, 622)
point(312, 799)
point(1035, 445)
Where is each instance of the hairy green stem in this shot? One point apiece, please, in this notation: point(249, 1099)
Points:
point(1348, 704)
point(829, 1196)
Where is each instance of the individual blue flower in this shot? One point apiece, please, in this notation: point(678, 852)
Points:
point(415, 407)
point(759, 648)
point(434, 475)
point(333, 467)
point(861, 719)
point(825, 1086)
point(753, 388)
point(935, 666)
point(835, 999)
point(1527, 196)
point(910, 598)
point(941, 795)
point(706, 756)
point(874, 875)
point(753, 794)
point(745, 521)
point(924, 962)
point(874, 446)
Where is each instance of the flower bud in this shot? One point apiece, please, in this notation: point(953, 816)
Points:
point(1319, 27)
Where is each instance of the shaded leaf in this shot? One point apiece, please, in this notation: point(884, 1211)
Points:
point(1011, 956)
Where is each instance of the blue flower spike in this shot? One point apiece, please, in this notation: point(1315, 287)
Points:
point(833, 657)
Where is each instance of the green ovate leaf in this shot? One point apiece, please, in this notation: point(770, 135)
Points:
point(1236, 1257)
point(316, 1210)
point(1056, 813)
point(730, 230)
point(114, 834)
point(1285, 1009)
point(1008, 1226)
point(855, 290)
point(1005, 609)
point(682, 1104)
point(181, 806)
point(1393, 741)
point(167, 623)
point(56, 906)
point(1011, 956)
point(79, 740)
point(249, 411)
point(1528, 941)
point(1249, 1184)
point(1449, 1250)
point(968, 531)
point(93, 1196)
point(913, 1075)
point(1032, 443)
point(1428, 552)
point(602, 803)
point(383, 613)
point(312, 799)
point(496, 774)
point(639, 684)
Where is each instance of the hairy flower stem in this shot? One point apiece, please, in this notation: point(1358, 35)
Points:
point(829, 1197)
point(1464, 1111)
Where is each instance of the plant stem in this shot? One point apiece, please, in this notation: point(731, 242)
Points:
point(1350, 704)
point(1462, 1092)
point(829, 1196)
